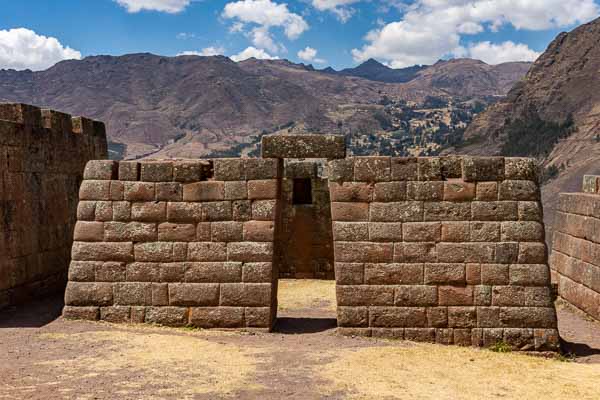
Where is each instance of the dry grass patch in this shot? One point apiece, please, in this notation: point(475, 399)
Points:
point(306, 294)
point(181, 365)
point(424, 371)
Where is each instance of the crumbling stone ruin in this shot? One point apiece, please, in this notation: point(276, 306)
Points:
point(42, 157)
point(575, 259)
point(440, 249)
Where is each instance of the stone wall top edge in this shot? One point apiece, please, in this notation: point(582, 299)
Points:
point(37, 117)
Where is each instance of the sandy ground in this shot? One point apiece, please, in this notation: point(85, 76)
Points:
point(44, 357)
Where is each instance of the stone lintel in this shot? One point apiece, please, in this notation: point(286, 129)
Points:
point(303, 146)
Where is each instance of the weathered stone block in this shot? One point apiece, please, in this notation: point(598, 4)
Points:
point(169, 191)
point(88, 294)
point(250, 251)
point(184, 212)
point(351, 192)
point(477, 169)
point(444, 274)
point(208, 272)
point(204, 191)
point(349, 273)
point(383, 274)
point(94, 190)
point(372, 169)
point(365, 295)
point(381, 232)
point(156, 171)
point(415, 252)
point(350, 211)
point(139, 191)
point(303, 146)
point(207, 251)
point(351, 231)
point(89, 231)
point(421, 231)
point(101, 170)
point(194, 294)
point(105, 251)
point(263, 189)
point(415, 295)
point(407, 211)
point(217, 317)
point(363, 252)
point(246, 294)
point(397, 317)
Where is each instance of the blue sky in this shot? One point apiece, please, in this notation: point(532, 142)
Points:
point(341, 33)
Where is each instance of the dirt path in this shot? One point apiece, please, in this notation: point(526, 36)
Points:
point(45, 357)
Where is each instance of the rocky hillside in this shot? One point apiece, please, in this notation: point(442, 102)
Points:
point(193, 106)
point(553, 114)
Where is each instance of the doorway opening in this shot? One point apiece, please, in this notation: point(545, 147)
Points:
point(306, 289)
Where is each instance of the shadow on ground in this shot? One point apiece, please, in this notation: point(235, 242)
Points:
point(289, 325)
point(32, 315)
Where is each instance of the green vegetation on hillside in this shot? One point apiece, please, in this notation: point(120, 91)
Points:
point(533, 137)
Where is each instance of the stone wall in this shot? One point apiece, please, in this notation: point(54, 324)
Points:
point(575, 259)
point(305, 239)
point(176, 243)
point(448, 250)
point(42, 157)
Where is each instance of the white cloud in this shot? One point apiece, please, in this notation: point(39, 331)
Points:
point(253, 52)
point(206, 52)
point(22, 48)
point(432, 29)
point(310, 55)
point(338, 7)
point(501, 53)
point(266, 14)
point(185, 35)
point(168, 6)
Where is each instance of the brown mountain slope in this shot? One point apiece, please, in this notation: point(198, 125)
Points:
point(191, 106)
point(564, 81)
point(468, 78)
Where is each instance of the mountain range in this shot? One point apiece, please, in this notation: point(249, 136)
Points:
point(190, 106)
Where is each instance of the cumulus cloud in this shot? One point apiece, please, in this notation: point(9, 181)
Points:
point(501, 53)
point(266, 14)
point(432, 29)
point(338, 7)
point(206, 52)
point(310, 55)
point(22, 48)
point(168, 6)
point(253, 52)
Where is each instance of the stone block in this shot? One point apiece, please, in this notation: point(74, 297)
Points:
point(115, 314)
point(169, 191)
point(217, 211)
point(228, 231)
point(351, 231)
point(363, 252)
point(529, 275)
point(407, 211)
point(430, 168)
point(349, 211)
point(447, 211)
point(591, 184)
point(382, 274)
point(143, 272)
point(415, 252)
point(426, 191)
point(390, 191)
point(303, 146)
point(213, 272)
point(156, 171)
point(398, 317)
point(341, 170)
point(415, 296)
point(484, 231)
point(519, 168)
point(154, 251)
point(457, 190)
point(155, 211)
point(194, 294)
point(265, 189)
point(349, 273)
point(455, 232)
point(421, 231)
point(110, 272)
point(129, 171)
point(236, 190)
point(261, 210)
point(372, 169)
point(486, 191)
point(478, 169)
point(261, 272)
point(129, 232)
point(522, 231)
point(140, 191)
point(102, 251)
point(87, 313)
point(462, 317)
point(88, 294)
point(364, 295)
point(246, 294)
point(447, 274)
point(82, 271)
point(250, 251)
point(207, 251)
point(204, 191)
point(382, 232)
point(455, 295)
point(89, 231)
point(259, 168)
point(495, 211)
point(360, 192)
point(532, 253)
point(258, 317)
point(94, 190)
point(184, 212)
point(170, 232)
point(437, 317)
point(259, 231)
point(101, 170)
point(191, 170)
point(528, 317)
point(353, 316)
point(519, 296)
point(160, 294)
point(217, 317)
point(519, 190)
point(494, 274)
point(404, 169)
point(168, 316)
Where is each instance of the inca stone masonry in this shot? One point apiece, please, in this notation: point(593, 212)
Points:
point(448, 250)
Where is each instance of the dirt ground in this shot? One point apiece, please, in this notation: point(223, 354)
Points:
point(44, 357)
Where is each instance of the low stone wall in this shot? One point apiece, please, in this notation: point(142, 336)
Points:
point(176, 243)
point(575, 259)
point(448, 250)
point(42, 157)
